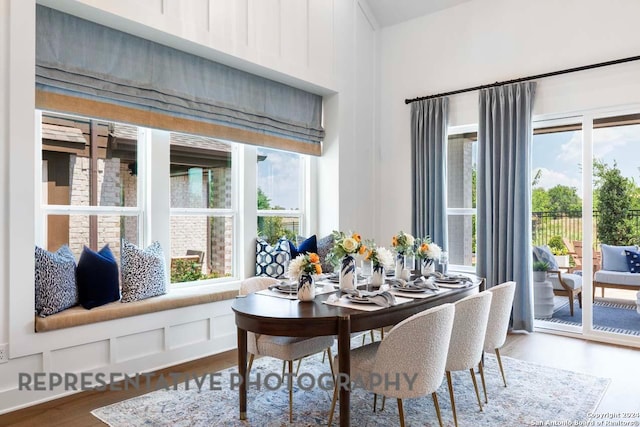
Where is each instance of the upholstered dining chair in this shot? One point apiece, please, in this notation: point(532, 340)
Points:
point(416, 348)
point(467, 341)
point(286, 349)
point(498, 324)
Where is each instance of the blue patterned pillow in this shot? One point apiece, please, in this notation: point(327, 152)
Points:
point(543, 253)
point(633, 260)
point(307, 245)
point(272, 261)
point(143, 272)
point(55, 281)
point(98, 278)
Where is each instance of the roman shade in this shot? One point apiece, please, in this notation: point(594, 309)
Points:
point(86, 68)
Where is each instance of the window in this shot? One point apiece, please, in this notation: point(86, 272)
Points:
point(202, 214)
point(281, 186)
point(90, 191)
point(461, 198)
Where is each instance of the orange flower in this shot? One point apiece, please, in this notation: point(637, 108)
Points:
point(394, 241)
point(424, 247)
point(357, 237)
point(362, 249)
point(318, 269)
point(369, 253)
point(313, 257)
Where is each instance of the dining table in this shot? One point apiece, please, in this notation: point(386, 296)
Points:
point(266, 314)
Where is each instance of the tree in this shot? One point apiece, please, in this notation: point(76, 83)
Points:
point(613, 201)
point(271, 228)
point(564, 199)
point(539, 200)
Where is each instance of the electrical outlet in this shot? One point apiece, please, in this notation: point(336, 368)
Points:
point(4, 353)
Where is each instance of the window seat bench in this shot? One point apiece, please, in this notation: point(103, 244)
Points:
point(175, 298)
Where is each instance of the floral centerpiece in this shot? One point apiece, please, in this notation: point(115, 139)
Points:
point(303, 267)
point(403, 245)
point(345, 247)
point(427, 252)
point(381, 258)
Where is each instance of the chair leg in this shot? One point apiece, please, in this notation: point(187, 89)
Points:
point(375, 401)
point(284, 366)
point(571, 304)
point(434, 396)
point(290, 363)
point(401, 412)
point(504, 379)
point(484, 385)
point(251, 356)
point(453, 400)
point(333, 374)
point(373, 336)
point(475, 387)
point(363, 338)
point(580, 299)
point(384, 399)
point(300, 363)
point(323, 355)
point(333, 404)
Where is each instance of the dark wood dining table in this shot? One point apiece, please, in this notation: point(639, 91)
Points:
point(270, 315)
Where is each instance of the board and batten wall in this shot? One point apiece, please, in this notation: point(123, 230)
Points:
point(480, 42)
point(324, 46)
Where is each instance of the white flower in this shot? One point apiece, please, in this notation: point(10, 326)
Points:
point(385, 257)
point(295, 266)
point(350, 245)
point(410, 239)
point(434, 251)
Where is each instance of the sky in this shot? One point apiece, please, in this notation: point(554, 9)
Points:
point(559, 155)
point(280, 176)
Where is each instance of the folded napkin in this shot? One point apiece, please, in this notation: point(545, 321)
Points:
point(381, 298)
point(284, 287)
point(419, 283)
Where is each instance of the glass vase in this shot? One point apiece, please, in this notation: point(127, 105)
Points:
point(427, 266)
point(399, 265)
point(377, 276)
point(348, 272)
point(306, 288)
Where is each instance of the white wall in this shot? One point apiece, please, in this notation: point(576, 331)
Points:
point(484, 41)
point(293, 41)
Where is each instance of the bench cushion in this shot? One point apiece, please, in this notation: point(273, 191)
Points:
point(176, 298)
point(572, 280)
point(617, 277)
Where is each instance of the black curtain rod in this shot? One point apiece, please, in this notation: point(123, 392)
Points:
point(524, 79)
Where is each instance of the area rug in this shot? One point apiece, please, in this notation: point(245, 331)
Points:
point(535, 394)
point(616, 317)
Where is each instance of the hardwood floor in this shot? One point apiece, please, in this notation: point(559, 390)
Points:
point(621, 364)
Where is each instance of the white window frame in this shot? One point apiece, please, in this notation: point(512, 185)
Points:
point(456, 130)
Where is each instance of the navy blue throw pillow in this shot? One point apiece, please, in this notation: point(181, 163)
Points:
point(309, 245)
point(97, 278)
point(633, 261)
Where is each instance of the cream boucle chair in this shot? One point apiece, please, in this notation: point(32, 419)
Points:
point(284, 348)
point(417, 346)
point(499, 315)
point(467, 340)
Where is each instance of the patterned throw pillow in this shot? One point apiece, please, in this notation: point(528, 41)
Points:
point(272, 261)
point(55, 281)
point(633, 261)
point(304, 246)
point(543, 253)
point(143, 272)
point(324, 247)
point(98, 278)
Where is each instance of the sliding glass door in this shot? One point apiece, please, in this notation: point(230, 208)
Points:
point(586, 207)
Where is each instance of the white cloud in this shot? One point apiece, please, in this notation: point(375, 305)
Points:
point(605, 141)
point(551, 178)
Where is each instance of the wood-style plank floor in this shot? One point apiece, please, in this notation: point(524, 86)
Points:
point(621, 364)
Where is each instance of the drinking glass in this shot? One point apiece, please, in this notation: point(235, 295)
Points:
point(444, 261)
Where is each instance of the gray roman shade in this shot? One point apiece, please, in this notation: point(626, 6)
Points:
point(137, 78)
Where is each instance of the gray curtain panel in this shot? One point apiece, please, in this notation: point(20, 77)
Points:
point(88, 60)
point(429, 121)
point(504, 193)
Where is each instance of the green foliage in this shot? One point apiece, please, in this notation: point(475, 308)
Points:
point(540, 200)
point(564, 199)
point(184, 270)
point(613, 201)
point(540, 266)
point(557, 246)
point(271, 228)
